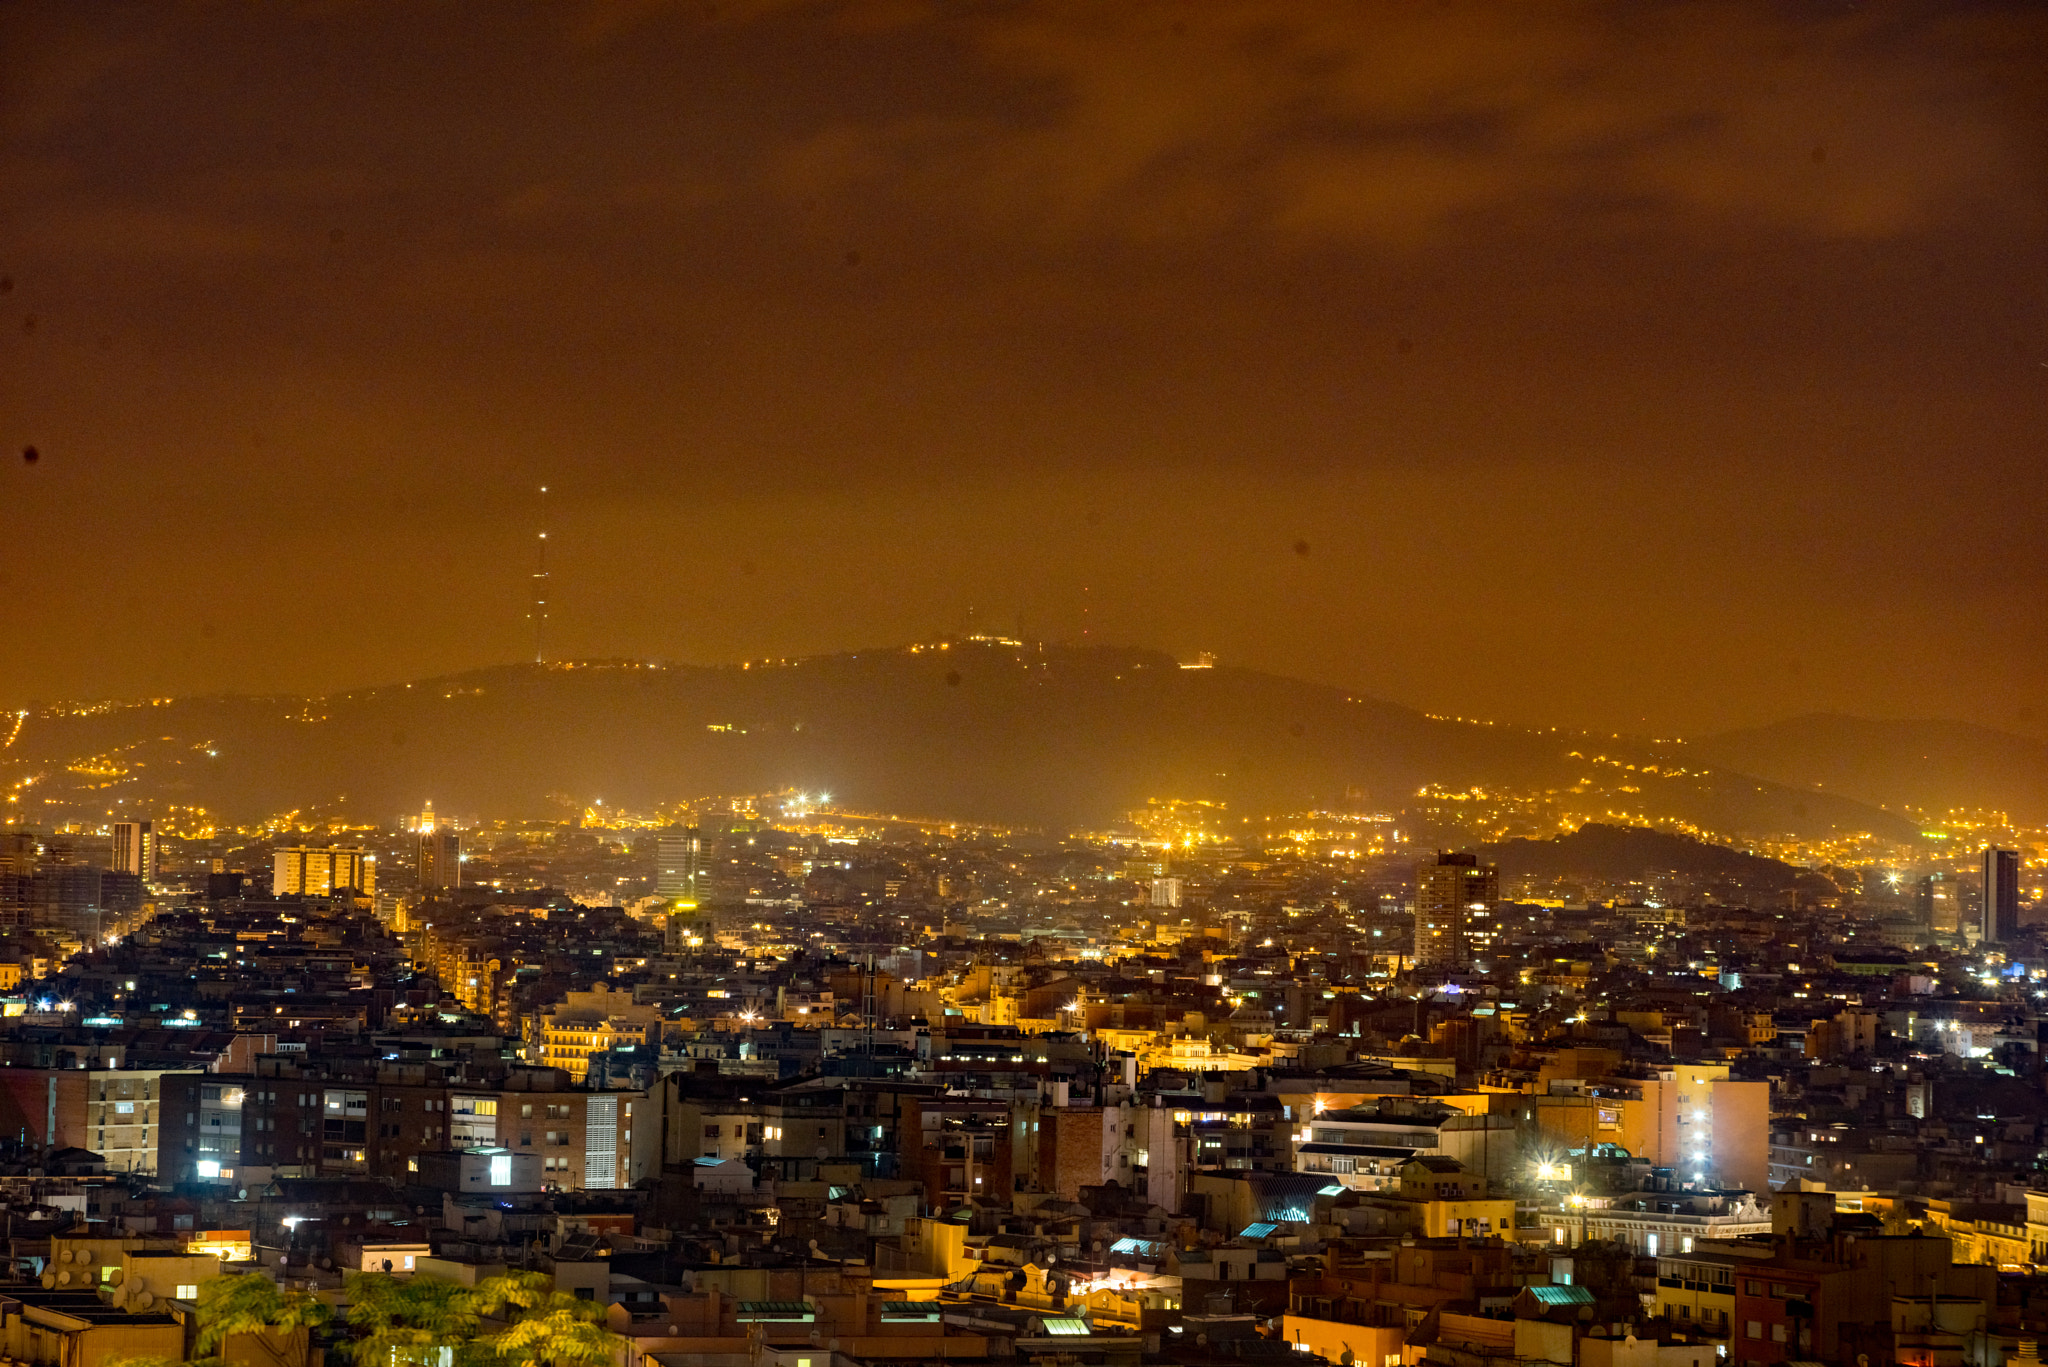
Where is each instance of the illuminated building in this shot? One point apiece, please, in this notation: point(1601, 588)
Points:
point(593, 1022)
point(679, 865)
point(679, 876)
point(121, 1115)
point(440, 861)
point(1166, 892)
point(303, 871)
point(134, 849)
point(1935, 902)
point(1455, 900)
point(2001, 895)
point(18, 851)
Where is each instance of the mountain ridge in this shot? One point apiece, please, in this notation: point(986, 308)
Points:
point(984, 730)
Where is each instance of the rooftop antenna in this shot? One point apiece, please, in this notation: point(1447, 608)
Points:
point(539, 614)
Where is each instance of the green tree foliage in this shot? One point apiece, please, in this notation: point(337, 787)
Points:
point(243, 1303)
point(427, 1322)
point(408, 1321)
point(251, 1303)
point(548, 1328)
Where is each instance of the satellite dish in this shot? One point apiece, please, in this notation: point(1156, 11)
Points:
point(49, 1280)
point(116, 1275)
point(144, 1299)
point(64, 1278)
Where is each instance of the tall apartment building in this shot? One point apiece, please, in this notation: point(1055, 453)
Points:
point(679, 865)
point(134, 849)
point(305, 871)
point(440, 854)
point(2001, 895)
point(1935, 903)
point(19, 852)
point(1457, 903)
point(123, 1111)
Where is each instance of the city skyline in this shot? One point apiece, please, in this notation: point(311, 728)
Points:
point(843, 683)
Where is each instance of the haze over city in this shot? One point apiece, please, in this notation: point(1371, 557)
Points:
point(1689, 357)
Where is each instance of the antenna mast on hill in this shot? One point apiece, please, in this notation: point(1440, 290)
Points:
point(539, 614)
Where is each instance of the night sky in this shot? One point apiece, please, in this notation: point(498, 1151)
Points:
point(1655, 367)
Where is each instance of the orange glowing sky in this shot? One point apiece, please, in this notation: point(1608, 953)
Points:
point(1662, 366)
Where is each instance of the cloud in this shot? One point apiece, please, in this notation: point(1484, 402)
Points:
point(1393, 122)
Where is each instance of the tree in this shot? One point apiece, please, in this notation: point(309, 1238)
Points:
point(408, 1321)
point(428, 1322)
point(251, 1303)
point(549, 1328)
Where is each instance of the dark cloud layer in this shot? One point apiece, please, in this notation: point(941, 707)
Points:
point(1667, 365)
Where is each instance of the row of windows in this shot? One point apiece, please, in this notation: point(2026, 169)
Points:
point(754, 1134)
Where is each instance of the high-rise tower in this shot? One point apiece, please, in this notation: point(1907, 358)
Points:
point(440, 862)
point(2001, 895)
point(134, 849)
point(1456, 901)
point(539, 614)
point(679, 877)
point(679, 865)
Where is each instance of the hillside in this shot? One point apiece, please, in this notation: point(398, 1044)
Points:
point(1932, 766)
point(1621, 853)
point(1050, 736)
